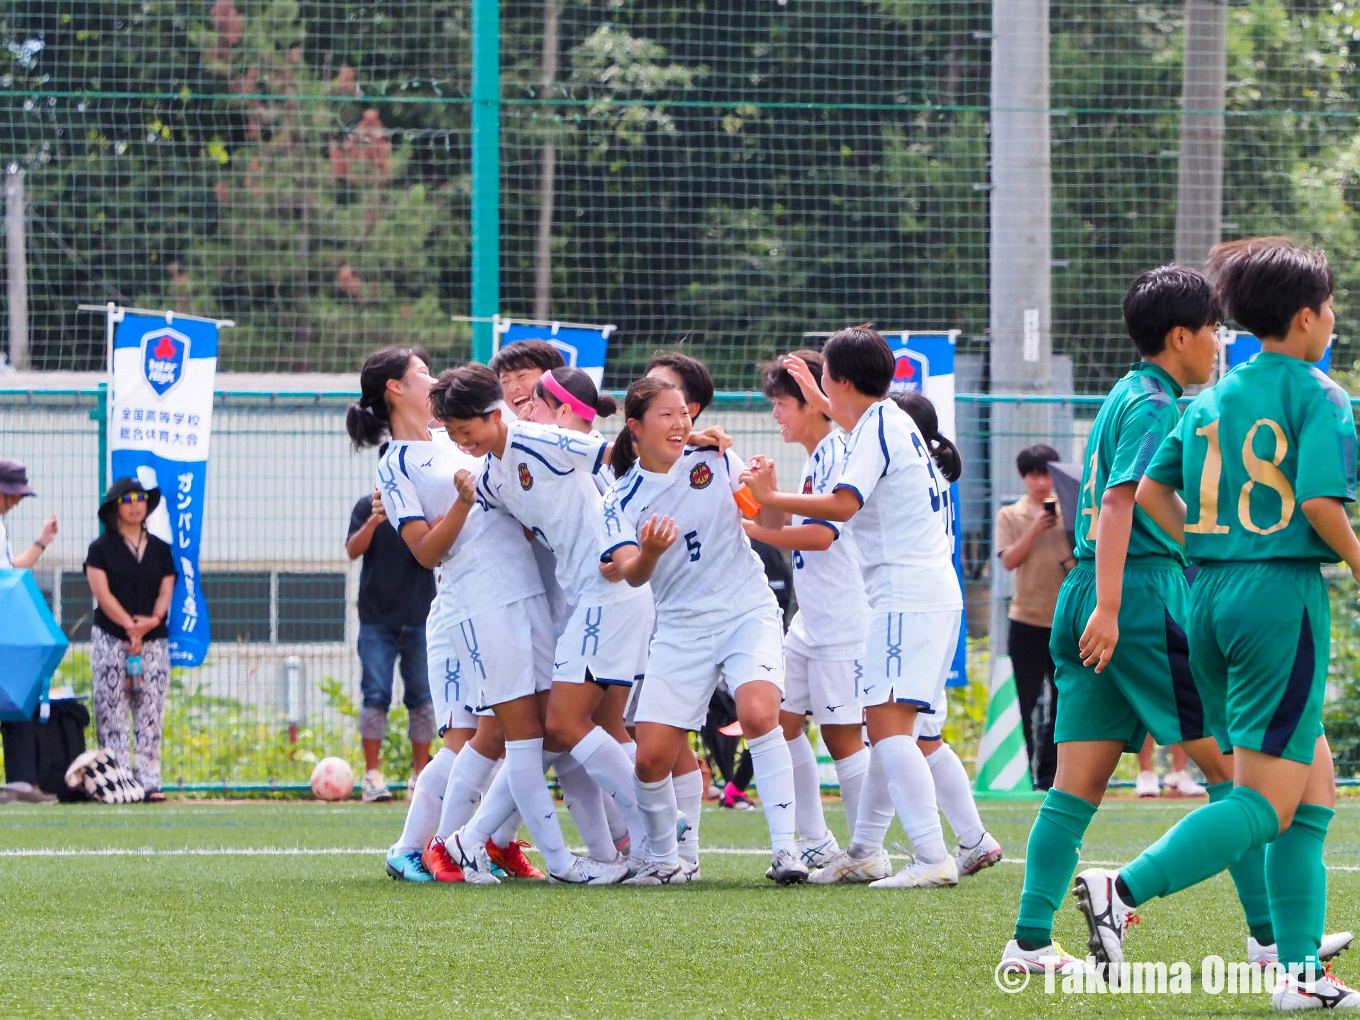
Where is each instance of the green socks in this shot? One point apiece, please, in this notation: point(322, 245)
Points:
point(1201, 845)
point(1249, 875)
point(1296, 880)
point(1050, 862)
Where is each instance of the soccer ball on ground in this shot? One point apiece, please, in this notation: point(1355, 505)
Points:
point(332, 779)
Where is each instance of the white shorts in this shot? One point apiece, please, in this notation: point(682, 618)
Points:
point(929, 726)
point(450, 691)
point(686, 664)
point(907, 657)
point(826, 690)
point(498, 656)
point(610, 641)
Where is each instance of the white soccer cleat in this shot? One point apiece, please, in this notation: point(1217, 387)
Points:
point(817, 853)
point(920, 875)
point(660, 874)
point(1325, 992)
point(691, 870)
point(1147, 785)
point(1107, 916)
point(584, 871)
point(845, 867)
point(974, 859)
point(1333, 945)
point(1036, 961)
point(474, 861)
point(787, 868)
point(1180, 784)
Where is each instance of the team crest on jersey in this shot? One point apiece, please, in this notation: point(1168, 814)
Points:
point(807, 486)
point(699, 476)
point(526, 480)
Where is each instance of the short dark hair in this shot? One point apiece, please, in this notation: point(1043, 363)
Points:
point(1263, 282)
point(1166, 297)
point(466, 392)
point(862, 358)
point(1034, 460)
point(778, 382)
point(527, 354)
point(694, 376)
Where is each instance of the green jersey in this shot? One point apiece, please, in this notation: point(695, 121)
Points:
point(1138, 414)
point(1273, 433)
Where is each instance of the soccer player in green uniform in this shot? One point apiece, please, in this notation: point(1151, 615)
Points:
point(1266, 461)
point(1128, 591)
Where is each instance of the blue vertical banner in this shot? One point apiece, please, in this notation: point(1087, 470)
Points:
point(582, 346)
point(160, 424)
point(1239, 348)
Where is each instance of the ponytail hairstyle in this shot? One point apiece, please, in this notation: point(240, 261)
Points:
point(369, 418)
point(945, 454)
point(635, 404)
point(580, 386)
point(466, 392)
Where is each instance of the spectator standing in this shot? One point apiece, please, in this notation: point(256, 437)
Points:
point(132, 575)
point(395, 593)
point(1032, 541)
point(20, 737)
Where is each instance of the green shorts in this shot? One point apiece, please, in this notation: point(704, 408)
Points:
point(1260, 640)
point(1147, 687)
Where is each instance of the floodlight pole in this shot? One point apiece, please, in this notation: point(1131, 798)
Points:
point(1199, 182)
point(486, 129)
point(17, 276)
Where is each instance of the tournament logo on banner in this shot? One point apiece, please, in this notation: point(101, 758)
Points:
point(582, 346)
point(160, 423)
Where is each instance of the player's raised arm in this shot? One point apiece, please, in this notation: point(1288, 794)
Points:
point(838, 505)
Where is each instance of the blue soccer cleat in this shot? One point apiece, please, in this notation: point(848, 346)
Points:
point(406, 866)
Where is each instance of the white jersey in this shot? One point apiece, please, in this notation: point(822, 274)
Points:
point(902, 527)
point(711, 571)
point(545, 479)
point(490, 564)
point(833, 612)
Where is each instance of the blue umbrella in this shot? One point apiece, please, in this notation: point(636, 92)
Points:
point(31, 645)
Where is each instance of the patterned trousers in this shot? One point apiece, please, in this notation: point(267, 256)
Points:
point(119, 713)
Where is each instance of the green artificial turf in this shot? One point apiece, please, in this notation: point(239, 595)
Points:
point(160, 931)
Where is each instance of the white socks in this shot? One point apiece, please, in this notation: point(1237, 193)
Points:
point(913, 794)
point(850, 773)
point(524, 767)
point(423, 814)
point(495, 813)
point(689, 801)
point(955, 795)
point(585, 802)
point(807, 788)
point(608, 764)
point(874, 813)
point(774, 781)
point(656, 804)
point(468, 780)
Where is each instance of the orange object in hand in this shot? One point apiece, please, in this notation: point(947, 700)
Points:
point(746, 503)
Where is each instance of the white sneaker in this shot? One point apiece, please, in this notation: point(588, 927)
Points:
point(1147, 785)
point(920, 875)
point(974, 859)
point(474, 861)
point(1035, 961)
point(787, 868)
point(1333, 945)
point(817, 853)
point(374, 788)
point(1180, 784)
point(1326, 992)
point(1107, 916)
point(584, 871)
point(846, 868)
point(660, 874)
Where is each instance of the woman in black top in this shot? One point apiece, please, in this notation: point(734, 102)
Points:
point(132, 574)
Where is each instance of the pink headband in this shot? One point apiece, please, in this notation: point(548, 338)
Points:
point(578, 406)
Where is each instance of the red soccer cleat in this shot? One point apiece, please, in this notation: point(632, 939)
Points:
point(439, 863)
point(511, 859)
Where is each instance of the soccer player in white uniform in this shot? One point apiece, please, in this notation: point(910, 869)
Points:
point(542, 475)
point(891, 490)
point(826, 638)
point(671, 519)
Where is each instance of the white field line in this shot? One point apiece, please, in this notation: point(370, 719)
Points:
point(300, 851)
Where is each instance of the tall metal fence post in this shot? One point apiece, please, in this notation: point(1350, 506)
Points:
point(486, 132)
point(100, 415)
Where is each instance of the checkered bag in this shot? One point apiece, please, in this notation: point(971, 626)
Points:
point(103, 779)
